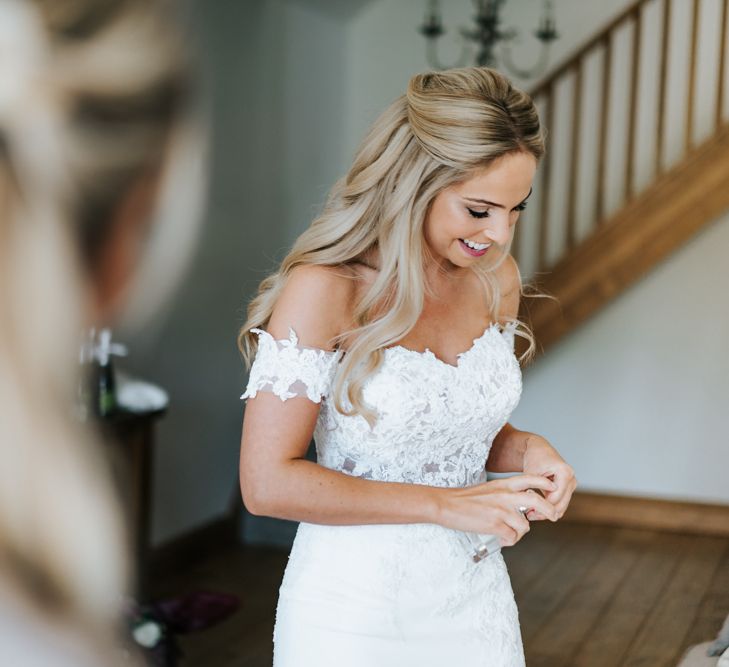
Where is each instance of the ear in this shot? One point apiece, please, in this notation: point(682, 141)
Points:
point(122, 248)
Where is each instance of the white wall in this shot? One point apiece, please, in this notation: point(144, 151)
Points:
point(637, 399)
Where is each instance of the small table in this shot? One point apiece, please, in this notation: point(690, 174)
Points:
point(129, 432)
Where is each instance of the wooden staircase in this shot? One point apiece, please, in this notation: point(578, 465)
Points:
point(616, 196)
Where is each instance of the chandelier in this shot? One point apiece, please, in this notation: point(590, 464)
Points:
point(487, 34)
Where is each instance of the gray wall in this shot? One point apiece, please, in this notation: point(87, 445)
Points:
point(274, 72)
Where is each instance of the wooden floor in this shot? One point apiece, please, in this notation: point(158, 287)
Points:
point(588, 596)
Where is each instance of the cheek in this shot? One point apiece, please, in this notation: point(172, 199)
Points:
point(449, 224)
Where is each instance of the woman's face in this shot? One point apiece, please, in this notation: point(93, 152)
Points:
point(467, 218)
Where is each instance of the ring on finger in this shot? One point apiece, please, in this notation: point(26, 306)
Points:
point(523, 509)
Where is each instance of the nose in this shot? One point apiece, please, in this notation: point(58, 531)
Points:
point(498, 228)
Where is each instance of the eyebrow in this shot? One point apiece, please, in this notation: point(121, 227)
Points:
point(494, 204)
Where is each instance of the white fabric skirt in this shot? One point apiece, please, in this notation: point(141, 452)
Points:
point(393, 595)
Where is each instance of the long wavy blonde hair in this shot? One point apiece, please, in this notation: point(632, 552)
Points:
point(445, 127)
point(93, 95)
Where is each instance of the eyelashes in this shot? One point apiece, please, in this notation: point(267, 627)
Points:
point(486, 214)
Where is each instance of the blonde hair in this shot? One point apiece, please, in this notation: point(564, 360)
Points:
point(447, 125)
point(90, 94)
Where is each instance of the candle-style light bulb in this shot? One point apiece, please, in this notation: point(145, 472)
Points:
point(433, 25)
point(547, 30)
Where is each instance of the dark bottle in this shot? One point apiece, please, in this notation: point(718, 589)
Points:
point(103, 384)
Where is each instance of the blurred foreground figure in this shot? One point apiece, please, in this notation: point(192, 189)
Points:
point(100, 167)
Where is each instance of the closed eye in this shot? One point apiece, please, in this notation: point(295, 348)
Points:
point(486, 213)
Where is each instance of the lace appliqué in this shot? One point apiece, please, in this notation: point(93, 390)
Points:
point(436, 422)
point(288, 370)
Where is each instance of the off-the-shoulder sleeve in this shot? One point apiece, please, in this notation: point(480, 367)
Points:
point(287, 369)
point(508, 330)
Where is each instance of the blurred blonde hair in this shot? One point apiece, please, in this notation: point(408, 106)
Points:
point(93, 94)
point(446, 126)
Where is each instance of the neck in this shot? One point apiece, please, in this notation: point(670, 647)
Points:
point(440, 272)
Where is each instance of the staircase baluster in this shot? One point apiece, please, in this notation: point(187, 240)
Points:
point(632, 112)
point(722, 65)
point(662, 88)
point(571, 233)
point(692, 77)
point(607, 68)
point(546, 180)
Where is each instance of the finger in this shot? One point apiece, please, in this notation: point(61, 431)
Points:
point(561, 496)
point(535, 515)
point(519, 525)
point(535, 501)
point(524, 482)
point(564, 503)
point(561, 481)
point(555, 497)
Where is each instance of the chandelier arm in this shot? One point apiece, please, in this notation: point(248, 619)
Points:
point(536, 71)
point(431, 54)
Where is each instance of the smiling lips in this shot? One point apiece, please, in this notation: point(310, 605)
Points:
point(472, 248)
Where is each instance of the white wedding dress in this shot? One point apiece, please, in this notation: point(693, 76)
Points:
point(398, 595)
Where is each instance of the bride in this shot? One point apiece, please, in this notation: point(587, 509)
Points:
point(387, 334)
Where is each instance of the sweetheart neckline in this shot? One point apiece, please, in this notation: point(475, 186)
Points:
point(427, 352)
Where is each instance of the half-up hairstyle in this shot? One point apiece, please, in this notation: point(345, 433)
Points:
point(447, 126)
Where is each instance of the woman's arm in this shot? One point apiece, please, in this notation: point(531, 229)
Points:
point(532, 454)
point(512, 447)
point(276, 478)
point(507, 450)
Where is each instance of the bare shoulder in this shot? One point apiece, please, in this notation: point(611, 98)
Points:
point(509, 276)
point(316, 302)
point(510, 283)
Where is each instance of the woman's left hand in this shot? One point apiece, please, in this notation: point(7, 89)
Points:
point(540, 458)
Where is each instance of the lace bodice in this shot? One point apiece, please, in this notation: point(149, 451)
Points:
point(436, 420)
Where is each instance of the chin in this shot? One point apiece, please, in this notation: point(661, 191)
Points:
point(462, 262)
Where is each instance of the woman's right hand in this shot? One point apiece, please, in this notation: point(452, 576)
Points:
point(493, 507)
